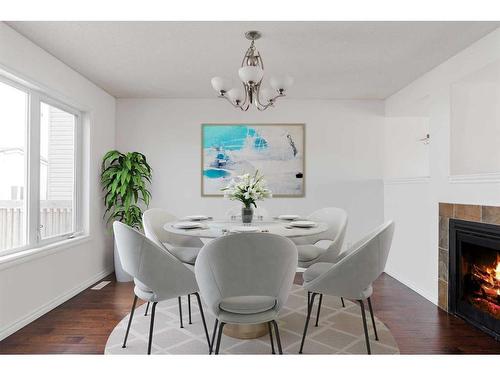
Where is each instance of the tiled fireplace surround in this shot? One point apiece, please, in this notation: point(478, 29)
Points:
point(477, 213)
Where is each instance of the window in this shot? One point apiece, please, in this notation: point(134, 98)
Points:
point(13, 126)
point(39, 155)
point(57, 150)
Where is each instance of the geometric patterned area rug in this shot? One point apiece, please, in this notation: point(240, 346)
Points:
point(340, 330)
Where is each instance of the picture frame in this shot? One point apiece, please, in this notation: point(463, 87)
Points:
point(276, 150)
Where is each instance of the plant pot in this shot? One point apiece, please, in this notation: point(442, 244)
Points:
point(246, 214)
point(121, 275)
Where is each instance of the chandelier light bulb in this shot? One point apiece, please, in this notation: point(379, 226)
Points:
point(251, 75)
point(221, 85)
point(236, 96)
point(267, 94)
point(281, 83)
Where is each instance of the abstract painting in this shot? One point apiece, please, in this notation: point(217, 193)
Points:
point(275, 150)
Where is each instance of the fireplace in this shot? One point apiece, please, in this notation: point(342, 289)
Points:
point(474, 274)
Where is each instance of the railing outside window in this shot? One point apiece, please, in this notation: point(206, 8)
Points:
point(55, 219)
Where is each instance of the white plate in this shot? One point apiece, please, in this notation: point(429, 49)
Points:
point(197, 217)
point(303, 224)
point(245, 229)
point(289, 217)
point(187, 225)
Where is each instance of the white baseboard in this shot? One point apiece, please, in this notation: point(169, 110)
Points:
point(52, 304)
point(428, 296)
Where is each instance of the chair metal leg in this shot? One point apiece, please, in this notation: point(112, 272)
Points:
point(219, 336)
point(129, 321)
point(308, 298)
point(271, 337)
point(189, 308)
point(147, 308)
point(278, 337)
point(203, 319)
point(309, 309)
point(213, 336)
point(363, 315)
point(153, 310)
point(373, 318)
point(342, 300)
point(319, 308)
point(180, 311)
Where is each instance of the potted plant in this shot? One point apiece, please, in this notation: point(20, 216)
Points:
point(248, 189)
point(124, 178)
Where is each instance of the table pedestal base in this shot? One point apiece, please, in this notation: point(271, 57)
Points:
point(246, 331)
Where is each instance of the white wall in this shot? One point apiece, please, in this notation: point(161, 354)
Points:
point(405, 154)
point(33, 285)
point(475, 119)
point(414, 205)
point(343, 153)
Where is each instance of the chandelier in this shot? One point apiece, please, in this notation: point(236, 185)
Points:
point(251, 74)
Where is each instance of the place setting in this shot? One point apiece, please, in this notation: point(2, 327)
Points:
point(191, 222)
point(302, 224)
point(287, 217)
point(197, 218)
point(189, 225)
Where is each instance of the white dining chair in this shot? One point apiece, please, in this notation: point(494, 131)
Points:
point(351, 276)
point(245, 279)
point(158, 275)
point(326, 246)
point(183, 248)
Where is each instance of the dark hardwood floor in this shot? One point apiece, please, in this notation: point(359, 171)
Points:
point(82, 324)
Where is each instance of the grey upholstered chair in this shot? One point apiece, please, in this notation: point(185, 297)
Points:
point(326, 246)
point(158, 275)
point(183, 248)
point(245, 279)
point(352, 275)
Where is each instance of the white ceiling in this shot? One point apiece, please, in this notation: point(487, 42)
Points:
point(341, 60)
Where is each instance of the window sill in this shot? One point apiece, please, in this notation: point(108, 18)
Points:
point(9, 260)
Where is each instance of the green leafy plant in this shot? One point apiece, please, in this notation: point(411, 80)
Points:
point(124, 178)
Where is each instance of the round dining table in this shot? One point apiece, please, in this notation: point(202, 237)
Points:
point(217, 228)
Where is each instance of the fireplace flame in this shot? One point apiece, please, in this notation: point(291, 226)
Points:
point(487, 295)
point(497, 274)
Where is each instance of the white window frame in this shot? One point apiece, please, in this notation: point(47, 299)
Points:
point(32, 164)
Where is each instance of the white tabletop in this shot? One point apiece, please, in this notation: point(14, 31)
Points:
point(214, 229)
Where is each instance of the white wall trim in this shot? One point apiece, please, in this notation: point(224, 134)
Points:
point(479, 178)
point(424, 293)
point(407, 180)
point(16, 258)
point(33, 84)
point(42, 310)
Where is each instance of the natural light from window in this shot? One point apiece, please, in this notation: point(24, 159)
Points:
point(38, 159)
point(13, 124)
point(56, 171)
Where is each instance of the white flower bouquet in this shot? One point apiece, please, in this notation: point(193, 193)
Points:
point(248, 189)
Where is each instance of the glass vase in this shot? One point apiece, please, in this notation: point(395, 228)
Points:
point(246, 215)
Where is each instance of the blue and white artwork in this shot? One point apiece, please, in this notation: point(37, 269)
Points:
point(276, 150)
